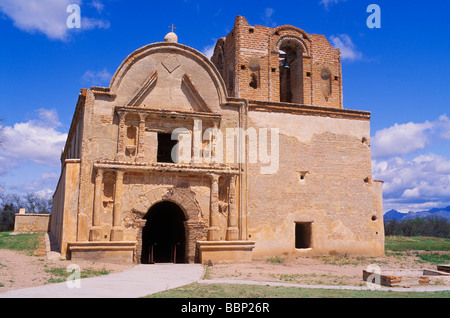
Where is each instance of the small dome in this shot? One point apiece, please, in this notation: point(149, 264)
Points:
point(171, 37)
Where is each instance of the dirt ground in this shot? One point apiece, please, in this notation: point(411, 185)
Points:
point(328, 270)
point(18, 270)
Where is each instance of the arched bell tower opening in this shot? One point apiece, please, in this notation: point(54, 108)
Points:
point(164, 234)
point(291, 72)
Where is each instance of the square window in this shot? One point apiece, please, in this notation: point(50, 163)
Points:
point(165, 146)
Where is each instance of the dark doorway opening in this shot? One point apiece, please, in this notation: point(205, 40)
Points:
point(302, 235)
point(165, 146)
point(163, 236)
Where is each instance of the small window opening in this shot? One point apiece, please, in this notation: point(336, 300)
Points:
point(308, 74)
point(251, 30)
point(302, 176)
point(165, 146)
point(274, 70)
point(242, 67)
point(336, 78)
point(254, 81)
point(303, 235)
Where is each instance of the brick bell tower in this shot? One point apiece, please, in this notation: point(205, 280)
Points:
point(282, 64)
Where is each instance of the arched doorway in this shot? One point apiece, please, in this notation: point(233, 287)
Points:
point(163, 236)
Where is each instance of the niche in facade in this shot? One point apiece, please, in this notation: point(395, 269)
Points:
point(325, 75)
point(131, 137)
point(254, 67)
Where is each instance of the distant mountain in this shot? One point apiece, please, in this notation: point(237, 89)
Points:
point(435, 212)
point(393, 215)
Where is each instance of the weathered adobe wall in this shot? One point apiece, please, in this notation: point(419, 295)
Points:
point(64, 218)
point(31, 223)
point(333, 195)
point(65, 199)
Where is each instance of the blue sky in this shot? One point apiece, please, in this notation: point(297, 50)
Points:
point(399, 72)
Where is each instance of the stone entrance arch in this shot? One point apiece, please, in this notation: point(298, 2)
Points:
point(194, 225)
point(164, 234)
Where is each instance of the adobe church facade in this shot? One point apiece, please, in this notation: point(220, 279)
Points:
point(245, 156)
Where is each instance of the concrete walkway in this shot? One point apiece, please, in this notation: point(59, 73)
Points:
point(144, 280)
point(139, 281)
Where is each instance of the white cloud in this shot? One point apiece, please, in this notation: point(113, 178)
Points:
point(97, 5)
point(91, 23)
point(413, 179)
point(421, 182)
point(347, 47)
point(44, 187)
point(208, 50)
point(47, 16)
point(36, 140)
point(404, 139)
point(443, 125)
point(400, 139)
point(48, 117)
point(327, 3)
point(101, 77)
point(267, 17)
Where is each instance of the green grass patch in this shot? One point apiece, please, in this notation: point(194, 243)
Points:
point(256, 291)
point(60, 274)
point(341, 260)
point(416, 243)
point(275, 260)
point(20, 242)
point(434, 258)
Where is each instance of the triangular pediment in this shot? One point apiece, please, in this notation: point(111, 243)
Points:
point(166, 90)
point(144, 90)
point(194, 94)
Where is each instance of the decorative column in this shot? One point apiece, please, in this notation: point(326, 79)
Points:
point(117, 230)
point(215, 152)
point(197, 153)
point(232, 230)
point(95, 232)
point(214, 229)
point(121, 140)
point(140, 145)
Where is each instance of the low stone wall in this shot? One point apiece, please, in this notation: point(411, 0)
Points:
point(31, 223)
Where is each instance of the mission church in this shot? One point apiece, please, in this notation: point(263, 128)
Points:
point(142, 180)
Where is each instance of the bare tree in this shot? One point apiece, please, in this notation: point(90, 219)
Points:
point(35, 204)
